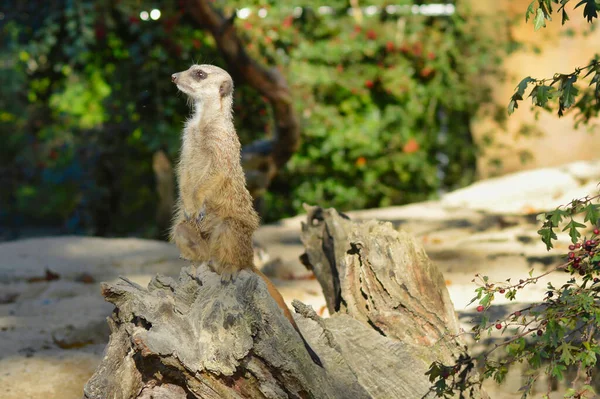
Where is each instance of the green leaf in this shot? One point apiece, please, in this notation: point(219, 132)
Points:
point(565, 17)
point(512, 105)
point(568, 92)
point(547, 236)
point(522, 86)
point(573, 227)
point(557, 371)
point(592, 213)
point(590, 11)
point(596, 80)
point(556, 216)
point(540, 20)
point(541, 94)
point(530, 11)
point(566, 355)
point(518, 96)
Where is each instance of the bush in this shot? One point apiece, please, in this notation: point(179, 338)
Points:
point(385, 102)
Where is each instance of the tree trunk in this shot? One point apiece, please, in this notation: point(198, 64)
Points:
point(200, 338)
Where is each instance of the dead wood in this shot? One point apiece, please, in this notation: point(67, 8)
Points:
point(383, 278)
point(196, 337)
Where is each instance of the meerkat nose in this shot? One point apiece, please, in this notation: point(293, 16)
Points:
point(174, 77)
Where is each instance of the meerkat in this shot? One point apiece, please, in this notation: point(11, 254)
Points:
point(215, 217)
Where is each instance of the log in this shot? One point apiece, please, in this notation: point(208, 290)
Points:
point(196, 337)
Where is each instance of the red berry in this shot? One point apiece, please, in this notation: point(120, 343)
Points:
point(540, 333)
point(417, 49)
point(389, 46)
point(499, 326)
point(571, 255)
point(480, 308)
point(596, 231)
point(431, 55)
point(571, 247)
point(425, 72)
point(578, 245)
point(369, 83)
point(371, 35)
point(596, 279)
point(502, 290)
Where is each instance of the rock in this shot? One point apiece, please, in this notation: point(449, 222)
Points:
point(528, 192)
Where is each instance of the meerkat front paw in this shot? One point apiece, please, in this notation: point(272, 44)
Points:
point(228, 274)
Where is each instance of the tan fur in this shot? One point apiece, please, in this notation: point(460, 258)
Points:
point(215, 217)
point(214, 200)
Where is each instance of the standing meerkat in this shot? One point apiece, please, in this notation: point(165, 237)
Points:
point(215, 217)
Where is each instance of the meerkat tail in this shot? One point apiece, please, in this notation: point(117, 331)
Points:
point(275, 294)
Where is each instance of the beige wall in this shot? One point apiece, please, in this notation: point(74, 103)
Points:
point(561, 143)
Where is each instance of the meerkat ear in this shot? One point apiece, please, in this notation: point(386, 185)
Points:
point(226, 88)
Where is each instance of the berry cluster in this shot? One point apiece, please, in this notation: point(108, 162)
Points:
point(581, 256)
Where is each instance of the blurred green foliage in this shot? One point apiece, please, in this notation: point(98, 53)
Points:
point(385, 102)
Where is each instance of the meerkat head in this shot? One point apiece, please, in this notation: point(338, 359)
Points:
point(204, 82)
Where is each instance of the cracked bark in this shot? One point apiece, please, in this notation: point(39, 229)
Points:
point(383, 278)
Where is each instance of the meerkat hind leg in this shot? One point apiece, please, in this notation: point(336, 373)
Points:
point(191, 245)
point(231, 248)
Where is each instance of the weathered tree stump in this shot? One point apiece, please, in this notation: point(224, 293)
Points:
point(379, 276)
point(200, 338)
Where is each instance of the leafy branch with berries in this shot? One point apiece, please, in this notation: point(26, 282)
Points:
point(558, 333)
point(558, 336)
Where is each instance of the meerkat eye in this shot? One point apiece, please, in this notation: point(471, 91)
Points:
point(199, 74)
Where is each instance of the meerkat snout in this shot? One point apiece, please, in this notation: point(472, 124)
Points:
point(174, 77)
